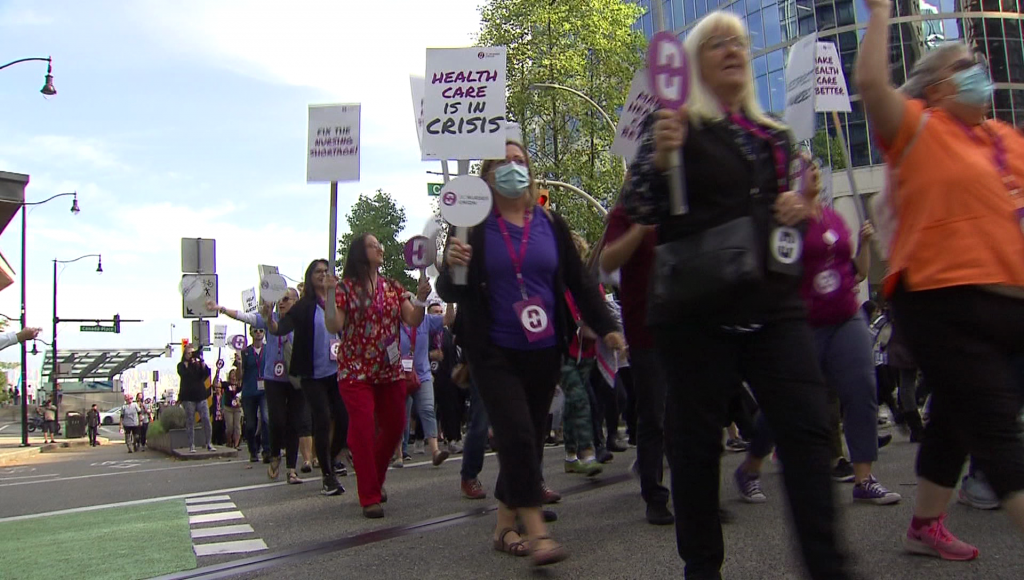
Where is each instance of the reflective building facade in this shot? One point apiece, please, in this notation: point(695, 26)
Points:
point(991, 27)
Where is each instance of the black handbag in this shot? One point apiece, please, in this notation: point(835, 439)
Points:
point(704, 271)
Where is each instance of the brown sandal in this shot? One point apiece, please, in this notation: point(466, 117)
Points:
point(550, 556)
point(517, 549)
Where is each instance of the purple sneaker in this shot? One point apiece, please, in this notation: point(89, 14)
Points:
point(871, 491)
point(749, 486)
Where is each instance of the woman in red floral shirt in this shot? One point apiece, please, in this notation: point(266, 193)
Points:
point(366, 311)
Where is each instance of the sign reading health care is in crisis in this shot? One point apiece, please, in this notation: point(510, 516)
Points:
point(333, 147)
point(464, 103)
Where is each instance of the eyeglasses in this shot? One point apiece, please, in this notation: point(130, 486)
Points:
point(719, 43)
point(374, 246)
point(320, 272)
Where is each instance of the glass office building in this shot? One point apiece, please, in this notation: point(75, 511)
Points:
point(991, 27)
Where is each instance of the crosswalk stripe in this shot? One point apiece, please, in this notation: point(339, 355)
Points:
point(209, 507)
point(222, 531)
point(217, 517)
point(206, 499)
point(236, 547)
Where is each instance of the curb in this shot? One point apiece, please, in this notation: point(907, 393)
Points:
point(15, 455)
point(184, 455)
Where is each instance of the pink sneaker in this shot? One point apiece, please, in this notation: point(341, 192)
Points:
point(935, 540)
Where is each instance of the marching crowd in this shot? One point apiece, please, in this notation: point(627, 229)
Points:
point(740, 316)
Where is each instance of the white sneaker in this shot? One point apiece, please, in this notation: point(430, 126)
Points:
point(192, 449)
point(211, 448)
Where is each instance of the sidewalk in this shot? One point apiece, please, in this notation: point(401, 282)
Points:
point(11, 450)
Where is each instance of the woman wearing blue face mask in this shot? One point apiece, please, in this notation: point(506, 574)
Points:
point(956, 268)
point(513, 327)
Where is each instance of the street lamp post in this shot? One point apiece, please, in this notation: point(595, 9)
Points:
point(606, 116)
point(24, 321)
point(47, 89)
point(56, 319)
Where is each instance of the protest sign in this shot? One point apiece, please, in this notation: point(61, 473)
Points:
point(639, 104)
point(464, 103)
point(333, 143)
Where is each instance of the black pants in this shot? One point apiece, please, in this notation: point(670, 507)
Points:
point(517, 387)
point(285, 407)
point(965, 340)
point(143, 430)
point(629, 407)
point(705, 366)
point(450, 402)
point(330, 420)
point(649, 384)
point(93, 431)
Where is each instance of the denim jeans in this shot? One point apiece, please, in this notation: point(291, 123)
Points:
point(475, 442)
point(424, 400)
point(191, 407)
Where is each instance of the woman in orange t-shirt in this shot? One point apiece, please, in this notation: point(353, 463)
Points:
point(956, 269)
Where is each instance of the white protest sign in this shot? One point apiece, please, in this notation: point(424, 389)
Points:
point(264, 270)
point(639, 104)
point(333, 143)
point(815, 83)
point(826, 195)
point(220, 335)
point(273, 287)
point(465, 201)
point(799, 113)
point(416, 87)
point(464, 103)
point(830, 81)
point(249, 304)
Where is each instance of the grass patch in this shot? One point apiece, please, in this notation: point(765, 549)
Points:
point(112, 543)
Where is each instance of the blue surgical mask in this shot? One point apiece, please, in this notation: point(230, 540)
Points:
point(511, 180)
point(974, 87)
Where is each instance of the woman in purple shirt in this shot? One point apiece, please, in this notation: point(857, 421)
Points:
point(512, 325)
point(829, 288)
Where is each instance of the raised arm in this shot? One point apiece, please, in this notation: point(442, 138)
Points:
point(254, 319)
point(883, 104)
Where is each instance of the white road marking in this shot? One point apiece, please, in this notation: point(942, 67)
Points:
point(222, 531)
point(207, 499)
point(217, 517)
point(209, 507)
point(29, 476)
point(4, 427)
point(135, 502)
point(236, 547)
point(124, 473)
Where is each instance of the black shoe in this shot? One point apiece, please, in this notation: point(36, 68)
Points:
point(843, 471)
point(254, 459)
point(549, 516)
point(725, 516)
point(615, 445)
point(340, 470)
point(884, 440)
point(307, 468)
point(331, 486)
point(266, 458)
point(602, 455)
point(658, 515)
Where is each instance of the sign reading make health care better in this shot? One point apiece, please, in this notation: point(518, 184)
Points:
point(464, 103)
point(333, 147)
point(815, 83)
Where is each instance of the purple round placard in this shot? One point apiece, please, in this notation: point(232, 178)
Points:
point(668, 71)
point(418, 254)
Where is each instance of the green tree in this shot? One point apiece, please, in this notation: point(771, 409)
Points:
point(587, 45)
point(828, 150)
point(379, 215)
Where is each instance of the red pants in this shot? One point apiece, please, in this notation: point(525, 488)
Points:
point(376, 419)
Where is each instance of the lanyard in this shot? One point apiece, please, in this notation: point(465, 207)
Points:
point(259, 360)
point(517, 261)
point(999, 157)
point(778, 152)
point(412, 339)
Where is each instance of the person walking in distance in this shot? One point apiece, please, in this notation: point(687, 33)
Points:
point(92, 421)
point(513, 327)
point(720, 321)
point(956, 268)
point(231, 406)
point(314, 362)
point(254, 399)
point(192, 395)
point(130, 421)
point(367, 310)
point(630, 249)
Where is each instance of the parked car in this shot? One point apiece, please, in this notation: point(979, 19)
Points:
point(111, 417)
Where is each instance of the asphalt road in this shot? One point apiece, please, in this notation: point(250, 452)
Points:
point(431, 531)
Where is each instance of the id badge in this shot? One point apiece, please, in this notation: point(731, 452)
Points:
point(279, 370)
point(827, 282)
point(259, 385)
point(536, 323)
point(407, 364)
point(393, 354)
point(335, 344)
point(785, 250)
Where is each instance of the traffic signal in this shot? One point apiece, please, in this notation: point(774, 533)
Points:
point(543, 196)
